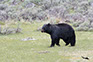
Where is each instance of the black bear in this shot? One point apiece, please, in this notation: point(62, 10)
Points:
point(60, 31)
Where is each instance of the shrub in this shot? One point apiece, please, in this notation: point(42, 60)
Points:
point(3, 6)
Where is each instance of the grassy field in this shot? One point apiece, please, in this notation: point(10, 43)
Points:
point(13, 49)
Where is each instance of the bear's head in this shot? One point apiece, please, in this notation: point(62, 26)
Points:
point(46, 28)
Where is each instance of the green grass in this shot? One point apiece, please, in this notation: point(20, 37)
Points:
point(13, 49)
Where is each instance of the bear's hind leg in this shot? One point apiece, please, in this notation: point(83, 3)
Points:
point(72, 41)
point(66, 41)
point(66, 44)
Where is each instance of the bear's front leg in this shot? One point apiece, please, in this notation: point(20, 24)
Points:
point(55, 40)
point(52, 43)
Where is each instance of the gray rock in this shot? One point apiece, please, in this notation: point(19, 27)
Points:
point(39, 29)
point(27, 39)
point(90, 29)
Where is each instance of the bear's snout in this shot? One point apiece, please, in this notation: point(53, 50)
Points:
point(42, 30)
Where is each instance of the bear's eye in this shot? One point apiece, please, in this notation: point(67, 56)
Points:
point(44, 28)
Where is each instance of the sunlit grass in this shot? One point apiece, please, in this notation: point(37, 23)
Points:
point(13, 49)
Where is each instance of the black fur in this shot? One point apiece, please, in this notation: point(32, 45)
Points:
point(60, 31)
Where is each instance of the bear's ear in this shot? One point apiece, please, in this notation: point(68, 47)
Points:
point(49, 24)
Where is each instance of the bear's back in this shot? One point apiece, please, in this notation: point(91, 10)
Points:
point(65, 26)
point(61, 24)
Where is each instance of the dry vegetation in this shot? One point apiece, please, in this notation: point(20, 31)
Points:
point(78, 12)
